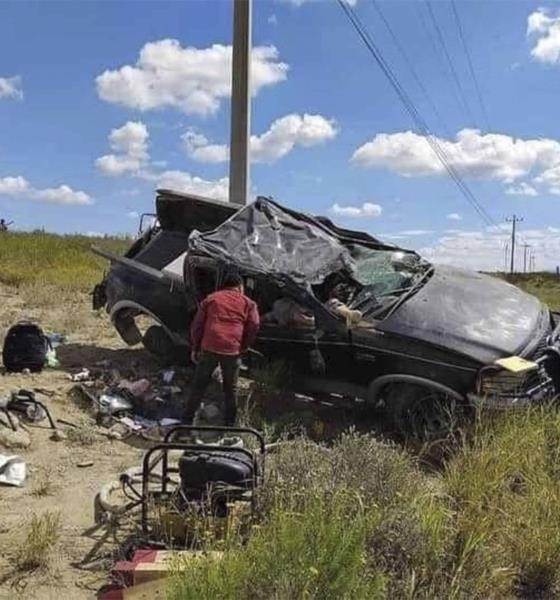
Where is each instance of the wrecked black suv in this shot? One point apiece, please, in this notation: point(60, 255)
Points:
point(361, 318)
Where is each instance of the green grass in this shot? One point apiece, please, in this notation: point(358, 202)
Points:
point(546, 286)
point(360, 519)
point(44, 259)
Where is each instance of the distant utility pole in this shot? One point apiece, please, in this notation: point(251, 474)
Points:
point(239, 160)
point(514, 220)
point(525, 247)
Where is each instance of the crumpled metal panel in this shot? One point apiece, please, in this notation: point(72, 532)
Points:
point(266, 238)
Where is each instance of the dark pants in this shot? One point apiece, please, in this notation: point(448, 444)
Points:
point(229, 366)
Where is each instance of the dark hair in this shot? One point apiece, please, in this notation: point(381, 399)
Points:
point(232, 279)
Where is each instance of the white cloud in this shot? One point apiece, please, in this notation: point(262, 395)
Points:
point(12, 186)
point(190, 79)
point(133, 215)
point(486, 156)
point(282, 136)
point(272, 20)
point(486, 250)
point(130, 146)
point(415, 232)
point(521, 189)
point(544, 27)
point(181, 181)
point(199, 148)
point(454, 217)
point(366, 210)
point(63, 194)
point(10, 87)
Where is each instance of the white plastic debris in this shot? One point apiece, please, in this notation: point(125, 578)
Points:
point(83, 375)
point(168, 376)
point(12, 470)
point(168, 422)
point(51, 359)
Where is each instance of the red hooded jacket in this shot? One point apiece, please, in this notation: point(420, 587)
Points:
point(227, 322)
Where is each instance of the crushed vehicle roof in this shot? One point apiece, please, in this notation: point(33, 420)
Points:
point(268, 238)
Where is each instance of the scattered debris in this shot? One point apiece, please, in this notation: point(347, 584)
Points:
point(87, 463)
point(56, 339)
point(12, 470)
point(168, 376)
point(58, 436)
point(83, 375)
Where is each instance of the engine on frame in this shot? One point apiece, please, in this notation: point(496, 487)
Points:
point(183, 483)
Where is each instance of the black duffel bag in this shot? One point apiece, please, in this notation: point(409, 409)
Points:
point(25, 347)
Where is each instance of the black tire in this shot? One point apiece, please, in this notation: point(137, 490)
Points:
point(157, 342)
point(421, 413)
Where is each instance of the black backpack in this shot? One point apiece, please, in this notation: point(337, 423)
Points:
point(25, 347)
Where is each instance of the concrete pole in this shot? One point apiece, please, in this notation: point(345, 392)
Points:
point(239, 160)
point(514, 220)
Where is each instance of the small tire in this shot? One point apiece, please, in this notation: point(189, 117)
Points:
point(157, 342)
point(419, 412)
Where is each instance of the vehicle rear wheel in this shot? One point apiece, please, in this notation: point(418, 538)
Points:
point(157, 342)
point(420, 412)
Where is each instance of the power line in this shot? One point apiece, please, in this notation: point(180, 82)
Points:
point(443, 45)
point(471, 67)
point(413, 112)
point(411, 68)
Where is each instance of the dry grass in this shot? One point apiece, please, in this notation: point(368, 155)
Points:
point(45, 484)
point(83, 435)
point(43, 532)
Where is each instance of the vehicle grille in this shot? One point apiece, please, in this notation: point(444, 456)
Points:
point(504, 386)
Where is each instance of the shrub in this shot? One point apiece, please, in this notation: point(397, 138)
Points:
point(318, 552)
point(42, 534)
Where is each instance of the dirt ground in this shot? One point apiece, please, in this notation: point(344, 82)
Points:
point(55, 481)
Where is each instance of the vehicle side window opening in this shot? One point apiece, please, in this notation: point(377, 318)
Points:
point(204, 281)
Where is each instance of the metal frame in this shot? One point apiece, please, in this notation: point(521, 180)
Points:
point(18, 400)
point(170, 443)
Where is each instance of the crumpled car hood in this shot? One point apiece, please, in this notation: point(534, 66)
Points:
point(472, 314)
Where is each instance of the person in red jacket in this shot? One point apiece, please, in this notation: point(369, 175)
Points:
point(224, 327)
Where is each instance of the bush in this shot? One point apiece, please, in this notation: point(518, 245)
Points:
point(42, 534)
point(318, 552)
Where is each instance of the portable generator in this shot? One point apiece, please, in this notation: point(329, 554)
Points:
point(185, 485)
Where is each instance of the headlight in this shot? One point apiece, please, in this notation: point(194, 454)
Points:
point(497, 386)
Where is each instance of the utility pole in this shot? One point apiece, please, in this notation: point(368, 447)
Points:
point(532, 260)
point(525, 247)
point(239, 160)
point(514, 220)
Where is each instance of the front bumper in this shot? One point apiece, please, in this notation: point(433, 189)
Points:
point(498, 388)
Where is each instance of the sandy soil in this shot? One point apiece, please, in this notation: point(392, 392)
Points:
point(70, 489)
point(84, 554)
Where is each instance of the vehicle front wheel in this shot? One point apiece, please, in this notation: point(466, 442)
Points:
point(420, 412)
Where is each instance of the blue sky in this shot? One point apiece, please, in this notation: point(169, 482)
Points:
point(332, 136)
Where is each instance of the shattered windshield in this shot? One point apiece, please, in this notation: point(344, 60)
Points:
point(387, 271)
point(386, 276)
